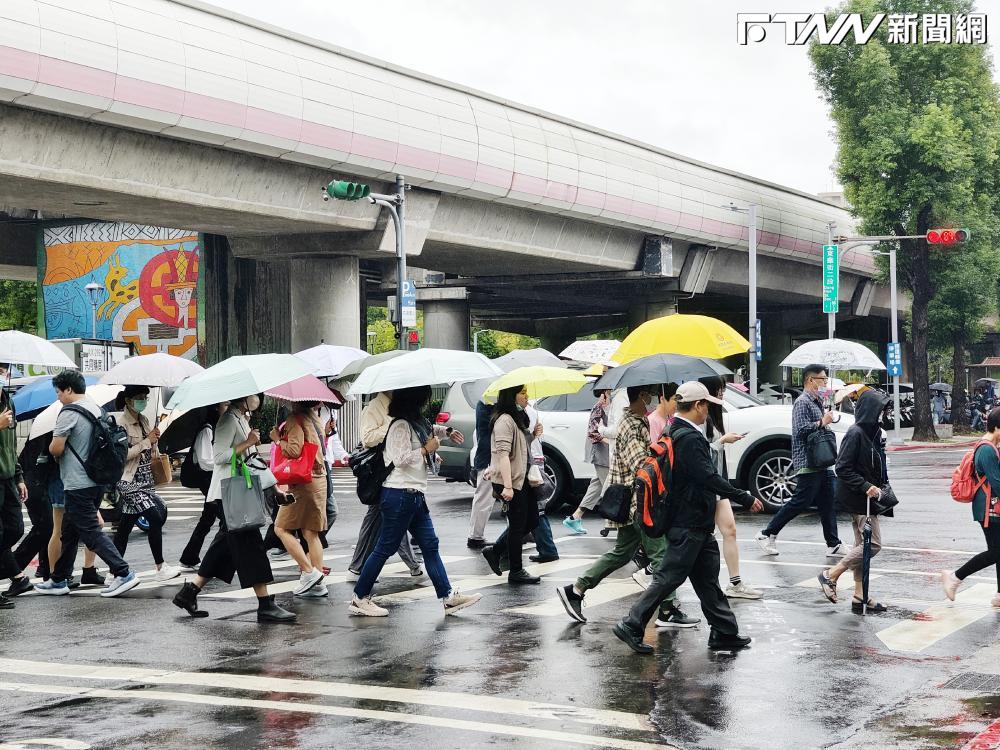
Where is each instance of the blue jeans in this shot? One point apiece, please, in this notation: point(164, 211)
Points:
point(544, 543)
point(80, 524)
point(813, 488)
point(404, 511)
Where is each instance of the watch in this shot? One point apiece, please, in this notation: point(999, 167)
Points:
point(449, 430)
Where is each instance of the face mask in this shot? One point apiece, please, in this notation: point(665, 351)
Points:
point(253, 403)
point(139, 404)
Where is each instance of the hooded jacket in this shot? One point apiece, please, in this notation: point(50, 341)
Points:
point(861, 461)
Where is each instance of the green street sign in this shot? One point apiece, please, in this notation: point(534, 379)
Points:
point(831, 279)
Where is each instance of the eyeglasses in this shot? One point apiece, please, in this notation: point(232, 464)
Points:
point(820, 379)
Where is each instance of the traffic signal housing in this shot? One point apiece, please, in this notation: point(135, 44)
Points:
point(343, 190)
point(948, 236)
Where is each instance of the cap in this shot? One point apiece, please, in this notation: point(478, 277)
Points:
point(695, 391)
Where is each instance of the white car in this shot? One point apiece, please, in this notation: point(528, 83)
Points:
point(761, 462)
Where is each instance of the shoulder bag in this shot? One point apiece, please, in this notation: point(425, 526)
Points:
point(821, 449)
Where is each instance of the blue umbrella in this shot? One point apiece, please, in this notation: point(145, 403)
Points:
point(34, 397)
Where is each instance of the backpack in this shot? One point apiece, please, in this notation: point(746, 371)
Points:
point(369, 468)
point(108, 448)
point(965, 484)
point(652, 488)
point(192, 475)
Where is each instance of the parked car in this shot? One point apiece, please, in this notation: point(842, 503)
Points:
point(458, 411)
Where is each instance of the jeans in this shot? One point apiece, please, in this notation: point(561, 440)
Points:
point(368, 535)
point(815, 487)
point(402, 511)
point(544, 543)
point(80, 523)
point(11, 527)
point(191, 555)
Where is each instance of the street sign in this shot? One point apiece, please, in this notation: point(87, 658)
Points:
point(831, 279)
point(756, 346)
point(409, 307)
point(894, 361)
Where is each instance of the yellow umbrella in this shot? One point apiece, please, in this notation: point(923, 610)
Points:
point(596, 370)
point(540, 381)
point(693, 335)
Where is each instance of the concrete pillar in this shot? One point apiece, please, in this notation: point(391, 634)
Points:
point(645, 310)
point(555, 341)
point(447, 325)
point(324, 301)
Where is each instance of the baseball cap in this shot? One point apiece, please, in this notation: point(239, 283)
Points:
point(695, 391)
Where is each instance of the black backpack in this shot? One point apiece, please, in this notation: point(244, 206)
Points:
point(192, 475)
point(108, 448)
point(369, 468)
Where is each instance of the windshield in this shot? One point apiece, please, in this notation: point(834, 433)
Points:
point(737, 399)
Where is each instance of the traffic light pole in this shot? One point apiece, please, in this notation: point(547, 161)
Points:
point(754, 333)
point(396, 205)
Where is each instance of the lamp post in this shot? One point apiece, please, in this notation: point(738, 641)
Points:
point(475, 339)
point(94, 292)
point(371, 342)
point(751, 212)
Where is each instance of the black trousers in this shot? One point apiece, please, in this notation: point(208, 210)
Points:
point(36, 542)
point(522, 517)
point(984, 559)
point(191, 555)
point(237, 552)
point(11, 527)
point(690, 554)
point(126, 521)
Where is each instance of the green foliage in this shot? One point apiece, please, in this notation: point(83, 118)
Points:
point(18, 305)
point(497, 343)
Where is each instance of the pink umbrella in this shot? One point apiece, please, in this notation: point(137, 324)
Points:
point(306, 388)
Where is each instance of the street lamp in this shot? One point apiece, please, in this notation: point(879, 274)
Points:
point(475, 339)
point(94, 292)
point(371, 341)
point(753, 323)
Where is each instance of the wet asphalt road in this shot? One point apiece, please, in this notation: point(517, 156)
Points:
point(514, 671)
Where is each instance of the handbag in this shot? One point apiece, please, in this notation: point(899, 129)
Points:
point(821, 449)
point(534, 476)
point(544, 492)
point(298, 469)
point(258, 468)
point(162, 471)
point(884, 502)
point(243, 506)
point(615, 504)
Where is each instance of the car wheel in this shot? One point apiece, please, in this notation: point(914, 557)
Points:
point(772, 478)
point(555, 471)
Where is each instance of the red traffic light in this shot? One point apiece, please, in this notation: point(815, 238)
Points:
point(414, 337)
point(948, 236)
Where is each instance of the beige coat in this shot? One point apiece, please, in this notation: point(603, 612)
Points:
point(507, 439)
point(309, 509)
point(137, 429)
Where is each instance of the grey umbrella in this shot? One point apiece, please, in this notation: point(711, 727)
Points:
point(943, 387)
point(661, 368)
point(528, 358)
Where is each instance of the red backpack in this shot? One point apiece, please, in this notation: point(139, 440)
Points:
point(652, 488)
point(965, 483)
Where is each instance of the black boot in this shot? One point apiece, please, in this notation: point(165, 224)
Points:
point(268, 611)
point(91, 577)
point(517, 577)
point(187, 599)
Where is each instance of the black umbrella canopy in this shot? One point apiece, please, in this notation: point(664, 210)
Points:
point(660, 368)
point(943, 387)
point(182, 431)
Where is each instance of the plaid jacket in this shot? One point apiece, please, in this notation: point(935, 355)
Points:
point(806, 415)
point(631, 447)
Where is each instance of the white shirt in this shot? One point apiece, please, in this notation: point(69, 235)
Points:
point(204, 454)
point(403, 451)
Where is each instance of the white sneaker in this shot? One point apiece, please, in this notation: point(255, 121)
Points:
point(417, 573)
point(457, 601)
point(166, 572)
point(316, 592)
point(642, 578)
point(767, 544)
point(839, 551)
point(366, 608)
point(352, 576)
point(951, 582)
point(187, 568)
point(742, 591)
point(308, 580)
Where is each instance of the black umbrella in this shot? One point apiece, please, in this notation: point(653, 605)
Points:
point(866, 558)
point(660, 368)
point(180, 433)
point(943, 387)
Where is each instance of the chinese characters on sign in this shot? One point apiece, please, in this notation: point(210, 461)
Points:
point(894, 361)
point(831, 279)
point(901, 28)
point(409, 307)
point(758, 354)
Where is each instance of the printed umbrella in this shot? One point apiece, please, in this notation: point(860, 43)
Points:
point(153, 370)
point(846, 391)
point(424, 367)
point(660, 368)
point(836, 354)
point(102, 395)
point(528, 358)
point(539, 382)
point(34, 397)
point(693, 335)
point(329, 360)
point(591, 352)
point(306, 388)
point(18, 347)
point(237, 377)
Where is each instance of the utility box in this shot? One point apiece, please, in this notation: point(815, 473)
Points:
point(95, 355)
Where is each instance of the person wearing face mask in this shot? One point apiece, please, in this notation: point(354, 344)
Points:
point(234, 552)
point(136, 496)
point(813, 486)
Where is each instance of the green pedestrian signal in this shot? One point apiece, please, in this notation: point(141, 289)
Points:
point(346, 191)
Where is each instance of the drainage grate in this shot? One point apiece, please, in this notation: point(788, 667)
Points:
point(974, 681)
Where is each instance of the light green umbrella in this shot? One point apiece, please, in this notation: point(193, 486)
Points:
point(424, 367)
point(237, 377)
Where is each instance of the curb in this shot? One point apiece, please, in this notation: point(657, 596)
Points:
point(925, 446)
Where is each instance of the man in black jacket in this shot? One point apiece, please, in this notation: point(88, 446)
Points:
point(692, 551)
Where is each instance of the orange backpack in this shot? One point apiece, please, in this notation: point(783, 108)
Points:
point(652, 488)
point(965, 484)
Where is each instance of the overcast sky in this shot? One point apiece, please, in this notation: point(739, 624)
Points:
point(667, 72)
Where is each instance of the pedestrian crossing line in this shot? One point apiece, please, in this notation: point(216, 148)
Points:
point(963, 553)
point(883, 571)
point(938, 622)
point(608, 591)
point(557, 737)
point(813, 583)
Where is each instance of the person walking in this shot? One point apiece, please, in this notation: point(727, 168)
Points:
point(13, 492)
point(631, 448)
point(409, 444)
point(199, 465)
point(71, 446)
point(136, 496)
point(234, 552)
point(598, 453)
point(307, 514)
point(35, 542)
point(861, 473)
point(813, 485)
point(482, 499)
point(938, 405)
point(692, 552)
point(985, 510)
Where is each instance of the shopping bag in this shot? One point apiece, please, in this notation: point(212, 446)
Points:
point(162, 471)
point(243, 505)
point(298, 470)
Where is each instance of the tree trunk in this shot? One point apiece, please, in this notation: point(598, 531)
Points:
point(923, 422)
point(959, 398)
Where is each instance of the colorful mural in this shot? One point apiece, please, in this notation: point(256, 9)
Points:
point(150, 280)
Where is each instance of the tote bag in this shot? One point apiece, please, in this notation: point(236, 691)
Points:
point(243, 504)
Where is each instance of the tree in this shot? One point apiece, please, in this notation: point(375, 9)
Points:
point(917, 135)
point(18, 305)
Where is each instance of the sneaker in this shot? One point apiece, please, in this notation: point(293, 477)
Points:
point(91, 577)
point(366, 608)
point(722, 642)
point(308, 580)
point(352, 575)
point(642, 578)
point(166, 573)
point(52, 588)
point(417, 572)
point(631, 639)
point(189, 568)
point(768, 544)
point(457, 602)
point(676, 619)
point(572, 602)
point(951, 582)
point(575, 525)
point(472, 543)
point(316, 592)
point(838, 550)
point(278, 555)
point(19, 586)
point(742, 591)
point(120, 584)
point(492, 557)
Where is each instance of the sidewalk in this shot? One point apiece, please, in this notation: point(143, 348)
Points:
point(946, 440)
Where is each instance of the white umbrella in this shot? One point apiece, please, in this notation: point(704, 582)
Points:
point(845, 391)
point(528, 358)
point(102, 395)
point(836, 354)
point(596, 352)
point(424, 367)
point(164, 370)
point(328, 360)
point(237, 377)
point(18, 347)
